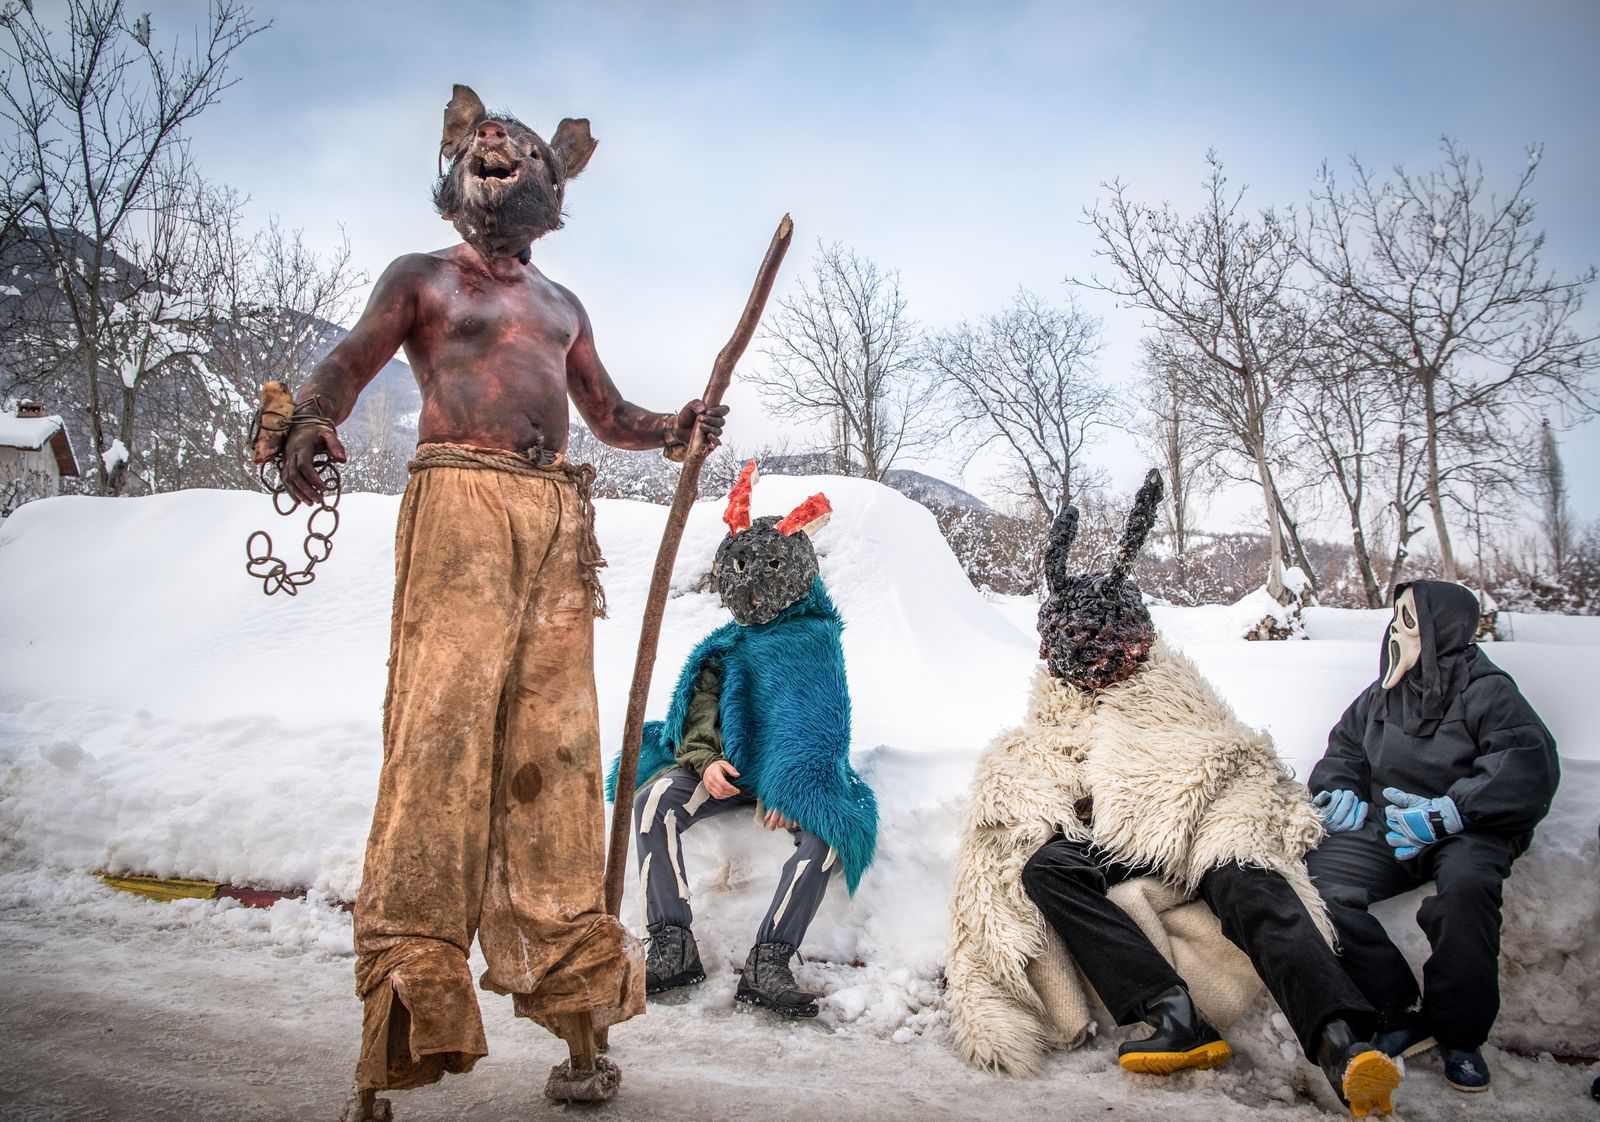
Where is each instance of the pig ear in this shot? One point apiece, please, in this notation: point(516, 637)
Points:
point(737, 516)
point(573, 145)
point(809, 517)
point(464, 111)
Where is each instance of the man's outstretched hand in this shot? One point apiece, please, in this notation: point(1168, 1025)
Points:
point(300, 451)
point(709, 419)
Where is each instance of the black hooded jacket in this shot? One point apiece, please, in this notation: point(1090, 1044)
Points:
point(1455, 725)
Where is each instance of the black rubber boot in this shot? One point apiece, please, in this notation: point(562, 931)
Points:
point(671, 960)
point(1182, 1038)
point(1362, 1076)
point(1409, 1039)
point(1466, 1070)
point(768, 981)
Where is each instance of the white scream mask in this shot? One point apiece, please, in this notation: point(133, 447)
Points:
point(1405, 639)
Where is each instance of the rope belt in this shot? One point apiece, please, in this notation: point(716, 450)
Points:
point(558, 470)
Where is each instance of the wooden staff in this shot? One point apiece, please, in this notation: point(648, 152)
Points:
point(584, 1040)
point(655, 604)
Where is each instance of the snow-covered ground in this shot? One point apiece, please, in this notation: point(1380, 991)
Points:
point(159, 715)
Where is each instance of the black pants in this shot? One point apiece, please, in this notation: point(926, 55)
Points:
point(1260, 914)
point(1461, 979)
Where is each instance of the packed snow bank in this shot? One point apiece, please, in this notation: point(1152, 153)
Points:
point(158, 714)
point(144, 604)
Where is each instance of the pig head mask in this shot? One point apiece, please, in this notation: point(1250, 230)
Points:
point(505, 185)
point(765, 566)
point(1094, 630)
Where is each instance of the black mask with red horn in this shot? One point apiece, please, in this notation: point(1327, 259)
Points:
point(763, 567)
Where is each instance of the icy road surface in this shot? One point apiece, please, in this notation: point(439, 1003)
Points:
point(117, 1009)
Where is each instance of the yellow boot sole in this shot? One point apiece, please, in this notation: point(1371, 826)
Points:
point(1206, 1056)
point(1369, 1081)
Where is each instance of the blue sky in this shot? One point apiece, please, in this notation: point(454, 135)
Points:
point(958, 143)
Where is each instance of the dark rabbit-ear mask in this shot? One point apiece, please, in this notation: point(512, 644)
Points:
point(1094, 630)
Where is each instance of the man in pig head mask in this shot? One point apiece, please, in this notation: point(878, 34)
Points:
point(1438, 771)
point(489, 819)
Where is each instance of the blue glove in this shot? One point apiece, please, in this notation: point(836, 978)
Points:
point(1341, 810)
point(1416, 822)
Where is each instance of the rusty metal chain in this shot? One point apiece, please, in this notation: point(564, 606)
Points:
point(273, 572)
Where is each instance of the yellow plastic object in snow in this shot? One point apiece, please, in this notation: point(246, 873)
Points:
point(163, 888)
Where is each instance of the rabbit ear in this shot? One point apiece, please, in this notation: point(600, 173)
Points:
point(809, 517)
point(737, 516)
point(1062, 533)
point(1141, 519)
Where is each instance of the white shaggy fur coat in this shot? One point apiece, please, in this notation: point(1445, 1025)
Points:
point(1179, 783)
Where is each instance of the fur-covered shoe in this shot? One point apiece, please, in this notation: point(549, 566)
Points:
point(1362, 1076)
point(671, 960)
point(767, 981)
point(1182, 1039)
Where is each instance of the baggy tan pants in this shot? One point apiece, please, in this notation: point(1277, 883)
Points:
point(489, 817)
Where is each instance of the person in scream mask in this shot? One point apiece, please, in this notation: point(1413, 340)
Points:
point(760, 720)
point(1439, 771)
point(1135, 833)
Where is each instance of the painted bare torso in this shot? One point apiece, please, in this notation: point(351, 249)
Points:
point(490, 355)
point(497, 349)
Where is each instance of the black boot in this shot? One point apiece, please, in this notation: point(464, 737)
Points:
point(768, 981)
point(671, 960)
point(1362, 1076)
point(1182, 1039)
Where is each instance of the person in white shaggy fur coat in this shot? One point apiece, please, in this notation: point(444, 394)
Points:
point(1132, 790)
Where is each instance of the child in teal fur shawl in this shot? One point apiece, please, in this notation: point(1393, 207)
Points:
point(785, 717)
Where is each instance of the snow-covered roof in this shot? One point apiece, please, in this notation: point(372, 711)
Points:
point(27, 432)
point(36, 432)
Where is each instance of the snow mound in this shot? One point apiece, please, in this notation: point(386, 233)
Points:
point(159, 715)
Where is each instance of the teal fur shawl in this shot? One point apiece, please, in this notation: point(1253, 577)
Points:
point(785, 711)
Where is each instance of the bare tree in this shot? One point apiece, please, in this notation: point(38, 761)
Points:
point(101, 187)
point(1188, 462)
point(1025, 379)
point(1341, 414)
point(377, 461)
point(276, 303)
point(844, 351)
point(1457, 302)
point(1556, 513)
point(1227, 325)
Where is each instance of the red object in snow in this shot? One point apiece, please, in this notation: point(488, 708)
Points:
point(265, 897)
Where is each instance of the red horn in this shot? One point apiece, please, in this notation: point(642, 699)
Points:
point(737, 516)
point(810, 516)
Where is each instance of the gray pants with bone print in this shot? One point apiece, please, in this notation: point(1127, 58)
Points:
point(669, 805)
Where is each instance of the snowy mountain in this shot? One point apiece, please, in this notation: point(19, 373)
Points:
point(931, 491)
